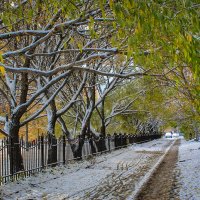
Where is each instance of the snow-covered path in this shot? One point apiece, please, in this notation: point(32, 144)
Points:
point(104, 177)
point(188, 167)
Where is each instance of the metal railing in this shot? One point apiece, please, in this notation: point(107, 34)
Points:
point(35, 153)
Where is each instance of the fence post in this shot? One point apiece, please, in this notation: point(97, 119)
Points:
point(64, 144)
point(42, 151)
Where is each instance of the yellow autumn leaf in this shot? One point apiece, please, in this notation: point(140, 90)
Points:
point(2, 70)
point(18, 39)
point(138, 28)
point(1, 57)
point(189, 37)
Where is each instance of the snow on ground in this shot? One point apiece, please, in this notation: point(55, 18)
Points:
point(116, 171)
point(160, 145)
point(189, 169)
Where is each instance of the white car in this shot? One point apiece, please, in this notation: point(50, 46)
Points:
point(168, 135)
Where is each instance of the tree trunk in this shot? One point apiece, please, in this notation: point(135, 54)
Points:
point(91, 140)
point(103, 125)
point(78, 151)
point(101, 144)
point(103, 128)
point(52, 151)
point(16, 160)
point(68, 135)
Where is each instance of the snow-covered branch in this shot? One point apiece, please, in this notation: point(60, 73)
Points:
point(73, 99)
point(42, 90)
point(45, 105)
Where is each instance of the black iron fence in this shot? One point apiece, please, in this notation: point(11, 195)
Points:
point(35, 153)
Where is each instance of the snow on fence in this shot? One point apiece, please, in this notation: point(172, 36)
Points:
point(35, 153)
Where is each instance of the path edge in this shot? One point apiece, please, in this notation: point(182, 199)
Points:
point(149, 174)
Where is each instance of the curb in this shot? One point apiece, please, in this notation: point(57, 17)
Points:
point(146, 178)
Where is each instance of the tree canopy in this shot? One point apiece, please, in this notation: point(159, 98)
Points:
point(84, 66)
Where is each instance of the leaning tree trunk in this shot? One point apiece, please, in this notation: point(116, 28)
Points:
point(68, 135)
point(16, 160)
point(76, 150)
